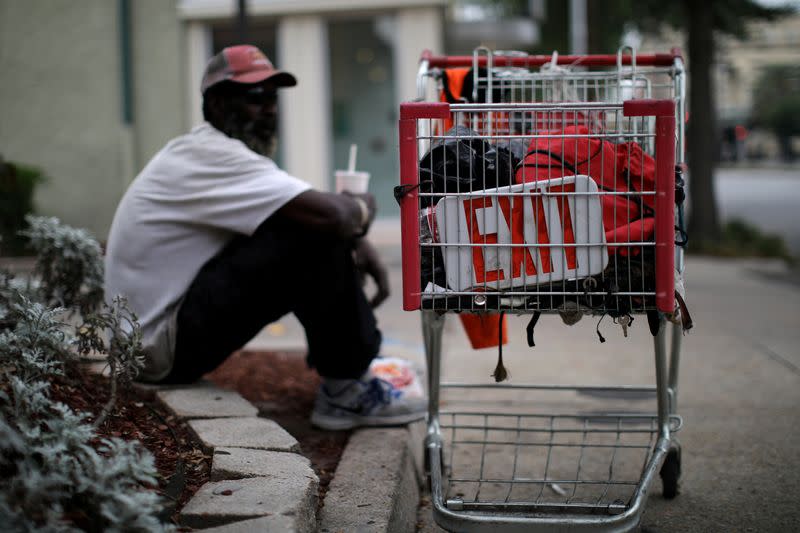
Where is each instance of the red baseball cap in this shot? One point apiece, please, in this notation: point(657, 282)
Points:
point(243, 64)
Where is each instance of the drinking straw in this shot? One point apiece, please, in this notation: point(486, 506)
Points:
point(351, 165)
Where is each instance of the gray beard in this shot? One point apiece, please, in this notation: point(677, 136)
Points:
point(255, 134)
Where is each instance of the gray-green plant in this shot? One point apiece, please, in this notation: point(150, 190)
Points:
point(114, 330)
point(54, 479)
point(56, 473)
point(37, 346)
point(69, 264)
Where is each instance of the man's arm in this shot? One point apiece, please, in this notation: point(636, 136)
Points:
point(340, 215)
point(369, 263)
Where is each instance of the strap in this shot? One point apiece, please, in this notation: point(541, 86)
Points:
point(531, 325)
point(401, 191)
point(684, 237)
point(362, 206)
point(680, 191)
point(597, 329)
point(686, 319)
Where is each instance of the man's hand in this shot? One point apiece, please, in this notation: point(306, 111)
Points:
point(368, 262)
point(367, 209)
point(344, 215)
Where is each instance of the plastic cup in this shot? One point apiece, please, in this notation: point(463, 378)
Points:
point(353, 181)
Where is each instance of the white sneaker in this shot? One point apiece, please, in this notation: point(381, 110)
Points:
point(368, 401)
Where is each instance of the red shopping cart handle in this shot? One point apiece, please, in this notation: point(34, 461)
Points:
point(607, 60)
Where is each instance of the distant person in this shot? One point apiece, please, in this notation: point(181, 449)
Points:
point(212, 242)
point(740, 133)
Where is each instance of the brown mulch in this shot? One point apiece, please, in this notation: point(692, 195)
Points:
point(279, 383)
point(283, 388)
point(183, 467)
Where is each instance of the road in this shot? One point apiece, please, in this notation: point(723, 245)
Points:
point(768, 198)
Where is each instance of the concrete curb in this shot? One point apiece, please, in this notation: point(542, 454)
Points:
point(257, 485)
point(259, 481)
point(376, 487)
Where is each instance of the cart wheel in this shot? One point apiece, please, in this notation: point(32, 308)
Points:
point(671, 473)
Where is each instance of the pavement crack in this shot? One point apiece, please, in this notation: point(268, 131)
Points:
point(775, 356)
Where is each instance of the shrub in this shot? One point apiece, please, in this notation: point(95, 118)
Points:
point(17, 184)
point(55, 480)
point(56, 473)
point(742, 239)
point(69, 264)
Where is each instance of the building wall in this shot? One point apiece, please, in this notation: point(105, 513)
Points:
point(61, 109)
point(61, 103)
point(741, 63)
point(160, 69)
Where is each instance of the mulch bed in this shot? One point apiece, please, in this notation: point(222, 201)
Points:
point(283, 388)
point(278, 383)
point(183, 467)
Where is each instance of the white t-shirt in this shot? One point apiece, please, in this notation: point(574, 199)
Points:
point(196, 194)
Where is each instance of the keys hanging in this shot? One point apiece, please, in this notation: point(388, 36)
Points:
point(625, 321)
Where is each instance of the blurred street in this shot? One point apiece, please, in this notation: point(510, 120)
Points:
point(766, 197)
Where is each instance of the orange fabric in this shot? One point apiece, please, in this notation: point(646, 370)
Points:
point(482, 329)
point(454, 78)
point(454, 81)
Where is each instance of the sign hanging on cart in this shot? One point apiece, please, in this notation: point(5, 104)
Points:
point(523, 235)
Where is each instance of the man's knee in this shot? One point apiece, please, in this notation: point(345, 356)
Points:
point(298, 247)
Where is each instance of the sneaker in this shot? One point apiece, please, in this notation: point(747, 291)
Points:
point(368, 401)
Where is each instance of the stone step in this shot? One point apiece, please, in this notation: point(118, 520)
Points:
point(252, 432)
point(289, 503)
point(206, 402)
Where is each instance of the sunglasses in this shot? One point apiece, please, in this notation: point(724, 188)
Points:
point(260, 96)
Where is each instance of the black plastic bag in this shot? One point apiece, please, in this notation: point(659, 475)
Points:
point(464, 162)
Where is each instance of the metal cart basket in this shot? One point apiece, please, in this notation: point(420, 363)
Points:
point(549, 187)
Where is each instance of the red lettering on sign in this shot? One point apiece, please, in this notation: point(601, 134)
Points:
point(542, 235)
point(470, 210)
point(513, 212)
point(565, 218)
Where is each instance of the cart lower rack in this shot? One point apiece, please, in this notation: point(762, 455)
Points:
point(528, 471)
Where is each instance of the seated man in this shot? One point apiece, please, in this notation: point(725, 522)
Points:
point(212, 241)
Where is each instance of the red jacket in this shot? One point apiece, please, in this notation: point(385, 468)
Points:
point(621, 168)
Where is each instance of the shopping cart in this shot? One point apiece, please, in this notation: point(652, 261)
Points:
point(548, 187)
